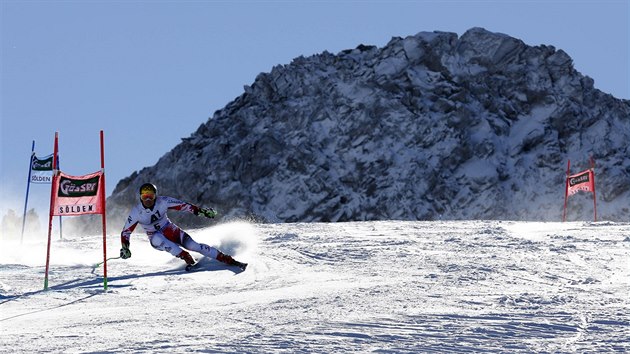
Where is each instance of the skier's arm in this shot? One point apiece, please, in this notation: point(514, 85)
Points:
point(191, 208)
point(125, 235)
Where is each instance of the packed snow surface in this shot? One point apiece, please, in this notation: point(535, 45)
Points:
point(473, 286)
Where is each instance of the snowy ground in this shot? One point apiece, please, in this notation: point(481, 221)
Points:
point(330, 288)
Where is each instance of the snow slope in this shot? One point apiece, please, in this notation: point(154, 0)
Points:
point(384, 286)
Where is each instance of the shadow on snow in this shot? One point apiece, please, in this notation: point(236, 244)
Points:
point(204, 265)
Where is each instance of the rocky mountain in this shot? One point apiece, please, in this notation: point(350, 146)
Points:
point(431, 126)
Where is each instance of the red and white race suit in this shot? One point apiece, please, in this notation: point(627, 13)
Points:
point(163, 234)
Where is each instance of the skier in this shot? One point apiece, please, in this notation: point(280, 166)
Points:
point(163, 234)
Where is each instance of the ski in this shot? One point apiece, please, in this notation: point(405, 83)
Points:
point(240, 265)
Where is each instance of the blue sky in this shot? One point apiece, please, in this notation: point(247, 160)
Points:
point(149, 73)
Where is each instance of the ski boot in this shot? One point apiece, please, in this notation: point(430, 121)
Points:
point(227, 259)
point(190, 261)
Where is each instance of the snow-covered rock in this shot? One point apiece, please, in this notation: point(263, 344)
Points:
point(432, 126)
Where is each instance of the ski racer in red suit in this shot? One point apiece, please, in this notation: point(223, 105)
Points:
point(163, 234)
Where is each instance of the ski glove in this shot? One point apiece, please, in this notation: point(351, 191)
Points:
point(208, 212)
point(124, 251)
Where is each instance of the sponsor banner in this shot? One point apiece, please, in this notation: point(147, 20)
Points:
point(582, 181)
point(42, 169)
point(78, 195)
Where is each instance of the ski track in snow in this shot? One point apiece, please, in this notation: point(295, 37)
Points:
point(453, 286)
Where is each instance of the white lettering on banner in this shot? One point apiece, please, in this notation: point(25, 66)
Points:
point(67, 187)
point(579, 179)
point(80, 208)
point(42, 165)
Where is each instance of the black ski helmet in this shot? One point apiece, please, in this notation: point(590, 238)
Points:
point(148, 187)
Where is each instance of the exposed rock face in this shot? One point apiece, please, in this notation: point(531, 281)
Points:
point(431, 126)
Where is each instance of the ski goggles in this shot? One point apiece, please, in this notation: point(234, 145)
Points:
point(147, 196)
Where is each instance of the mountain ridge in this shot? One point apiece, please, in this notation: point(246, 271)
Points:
point(431, 126)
